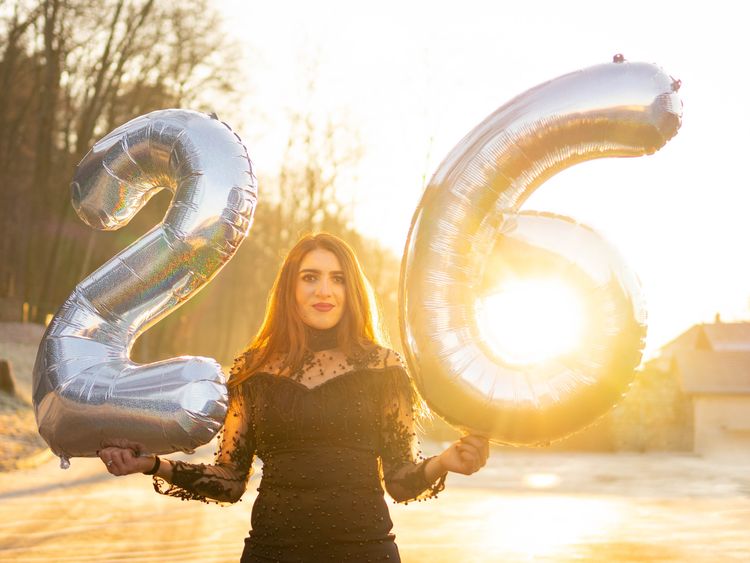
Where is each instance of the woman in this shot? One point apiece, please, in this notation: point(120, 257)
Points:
point(331, 413)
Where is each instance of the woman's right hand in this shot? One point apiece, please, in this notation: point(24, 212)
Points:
point(122, 457)
point(466, 456)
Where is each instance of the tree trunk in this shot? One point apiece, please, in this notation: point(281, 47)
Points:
point(43, 165)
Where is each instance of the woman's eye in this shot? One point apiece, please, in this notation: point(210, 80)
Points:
point(339, 279)
point(308, 278)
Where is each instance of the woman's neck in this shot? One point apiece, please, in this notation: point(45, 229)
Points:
point(321, 339)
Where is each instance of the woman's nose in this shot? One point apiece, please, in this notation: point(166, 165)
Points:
point(324, 287)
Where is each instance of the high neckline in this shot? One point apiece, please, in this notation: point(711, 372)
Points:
point(319, 340)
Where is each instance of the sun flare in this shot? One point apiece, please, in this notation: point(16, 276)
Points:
point(531, 321)
point(546, 527)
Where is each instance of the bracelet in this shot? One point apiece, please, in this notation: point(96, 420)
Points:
point(155, 468)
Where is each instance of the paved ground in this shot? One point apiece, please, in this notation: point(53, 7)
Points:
point(522, 507)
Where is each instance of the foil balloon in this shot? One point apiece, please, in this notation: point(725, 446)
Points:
point(86, 389)
point(469, 238)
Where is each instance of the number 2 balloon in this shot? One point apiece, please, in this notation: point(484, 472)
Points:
point(86, 388)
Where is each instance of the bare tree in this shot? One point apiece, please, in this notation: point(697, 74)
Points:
point(70, 71)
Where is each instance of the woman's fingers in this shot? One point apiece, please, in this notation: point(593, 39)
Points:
point(119, 461)
point(469, 453)
point(471, 457)
point(123, 443)
point(114, 465)
point(480, 442)
point(481, 451)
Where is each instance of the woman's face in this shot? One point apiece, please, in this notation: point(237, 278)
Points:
point(320, 291)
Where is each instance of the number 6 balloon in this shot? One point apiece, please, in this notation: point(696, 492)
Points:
point(86, 388)
point(468, 228)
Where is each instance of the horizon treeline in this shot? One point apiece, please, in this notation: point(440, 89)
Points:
point(73, 70)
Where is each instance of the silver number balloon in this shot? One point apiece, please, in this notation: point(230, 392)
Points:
point(86, 388)
point(468, 228)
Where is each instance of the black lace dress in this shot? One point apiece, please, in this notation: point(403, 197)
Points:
point(330, 436)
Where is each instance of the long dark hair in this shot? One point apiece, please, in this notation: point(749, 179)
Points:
point(283, 330)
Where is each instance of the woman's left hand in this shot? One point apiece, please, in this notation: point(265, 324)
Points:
point(467, 455)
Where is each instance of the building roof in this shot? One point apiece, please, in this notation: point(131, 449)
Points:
point(709, 372)
point(718, 336)
point(725, 336)
point(715, 336)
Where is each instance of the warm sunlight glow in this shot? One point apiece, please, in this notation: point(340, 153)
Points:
point(541, 480)
point(545, 526)
point(531, 321)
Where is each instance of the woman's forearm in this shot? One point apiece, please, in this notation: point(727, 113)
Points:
point(434, 469)
point(165, 470)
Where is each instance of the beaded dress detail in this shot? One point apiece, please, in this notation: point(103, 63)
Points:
point(332, 435)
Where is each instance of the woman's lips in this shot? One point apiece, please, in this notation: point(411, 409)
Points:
point(323, 306)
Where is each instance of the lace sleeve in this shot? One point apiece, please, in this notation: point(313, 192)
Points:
point(224, 481)
point(403, 464)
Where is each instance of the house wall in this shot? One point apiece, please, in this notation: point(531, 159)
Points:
point(722, 424)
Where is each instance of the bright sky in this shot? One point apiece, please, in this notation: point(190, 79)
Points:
point(411, 78)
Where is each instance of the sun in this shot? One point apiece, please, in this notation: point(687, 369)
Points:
point(529, 321)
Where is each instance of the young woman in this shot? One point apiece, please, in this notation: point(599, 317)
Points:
point(329, 410)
